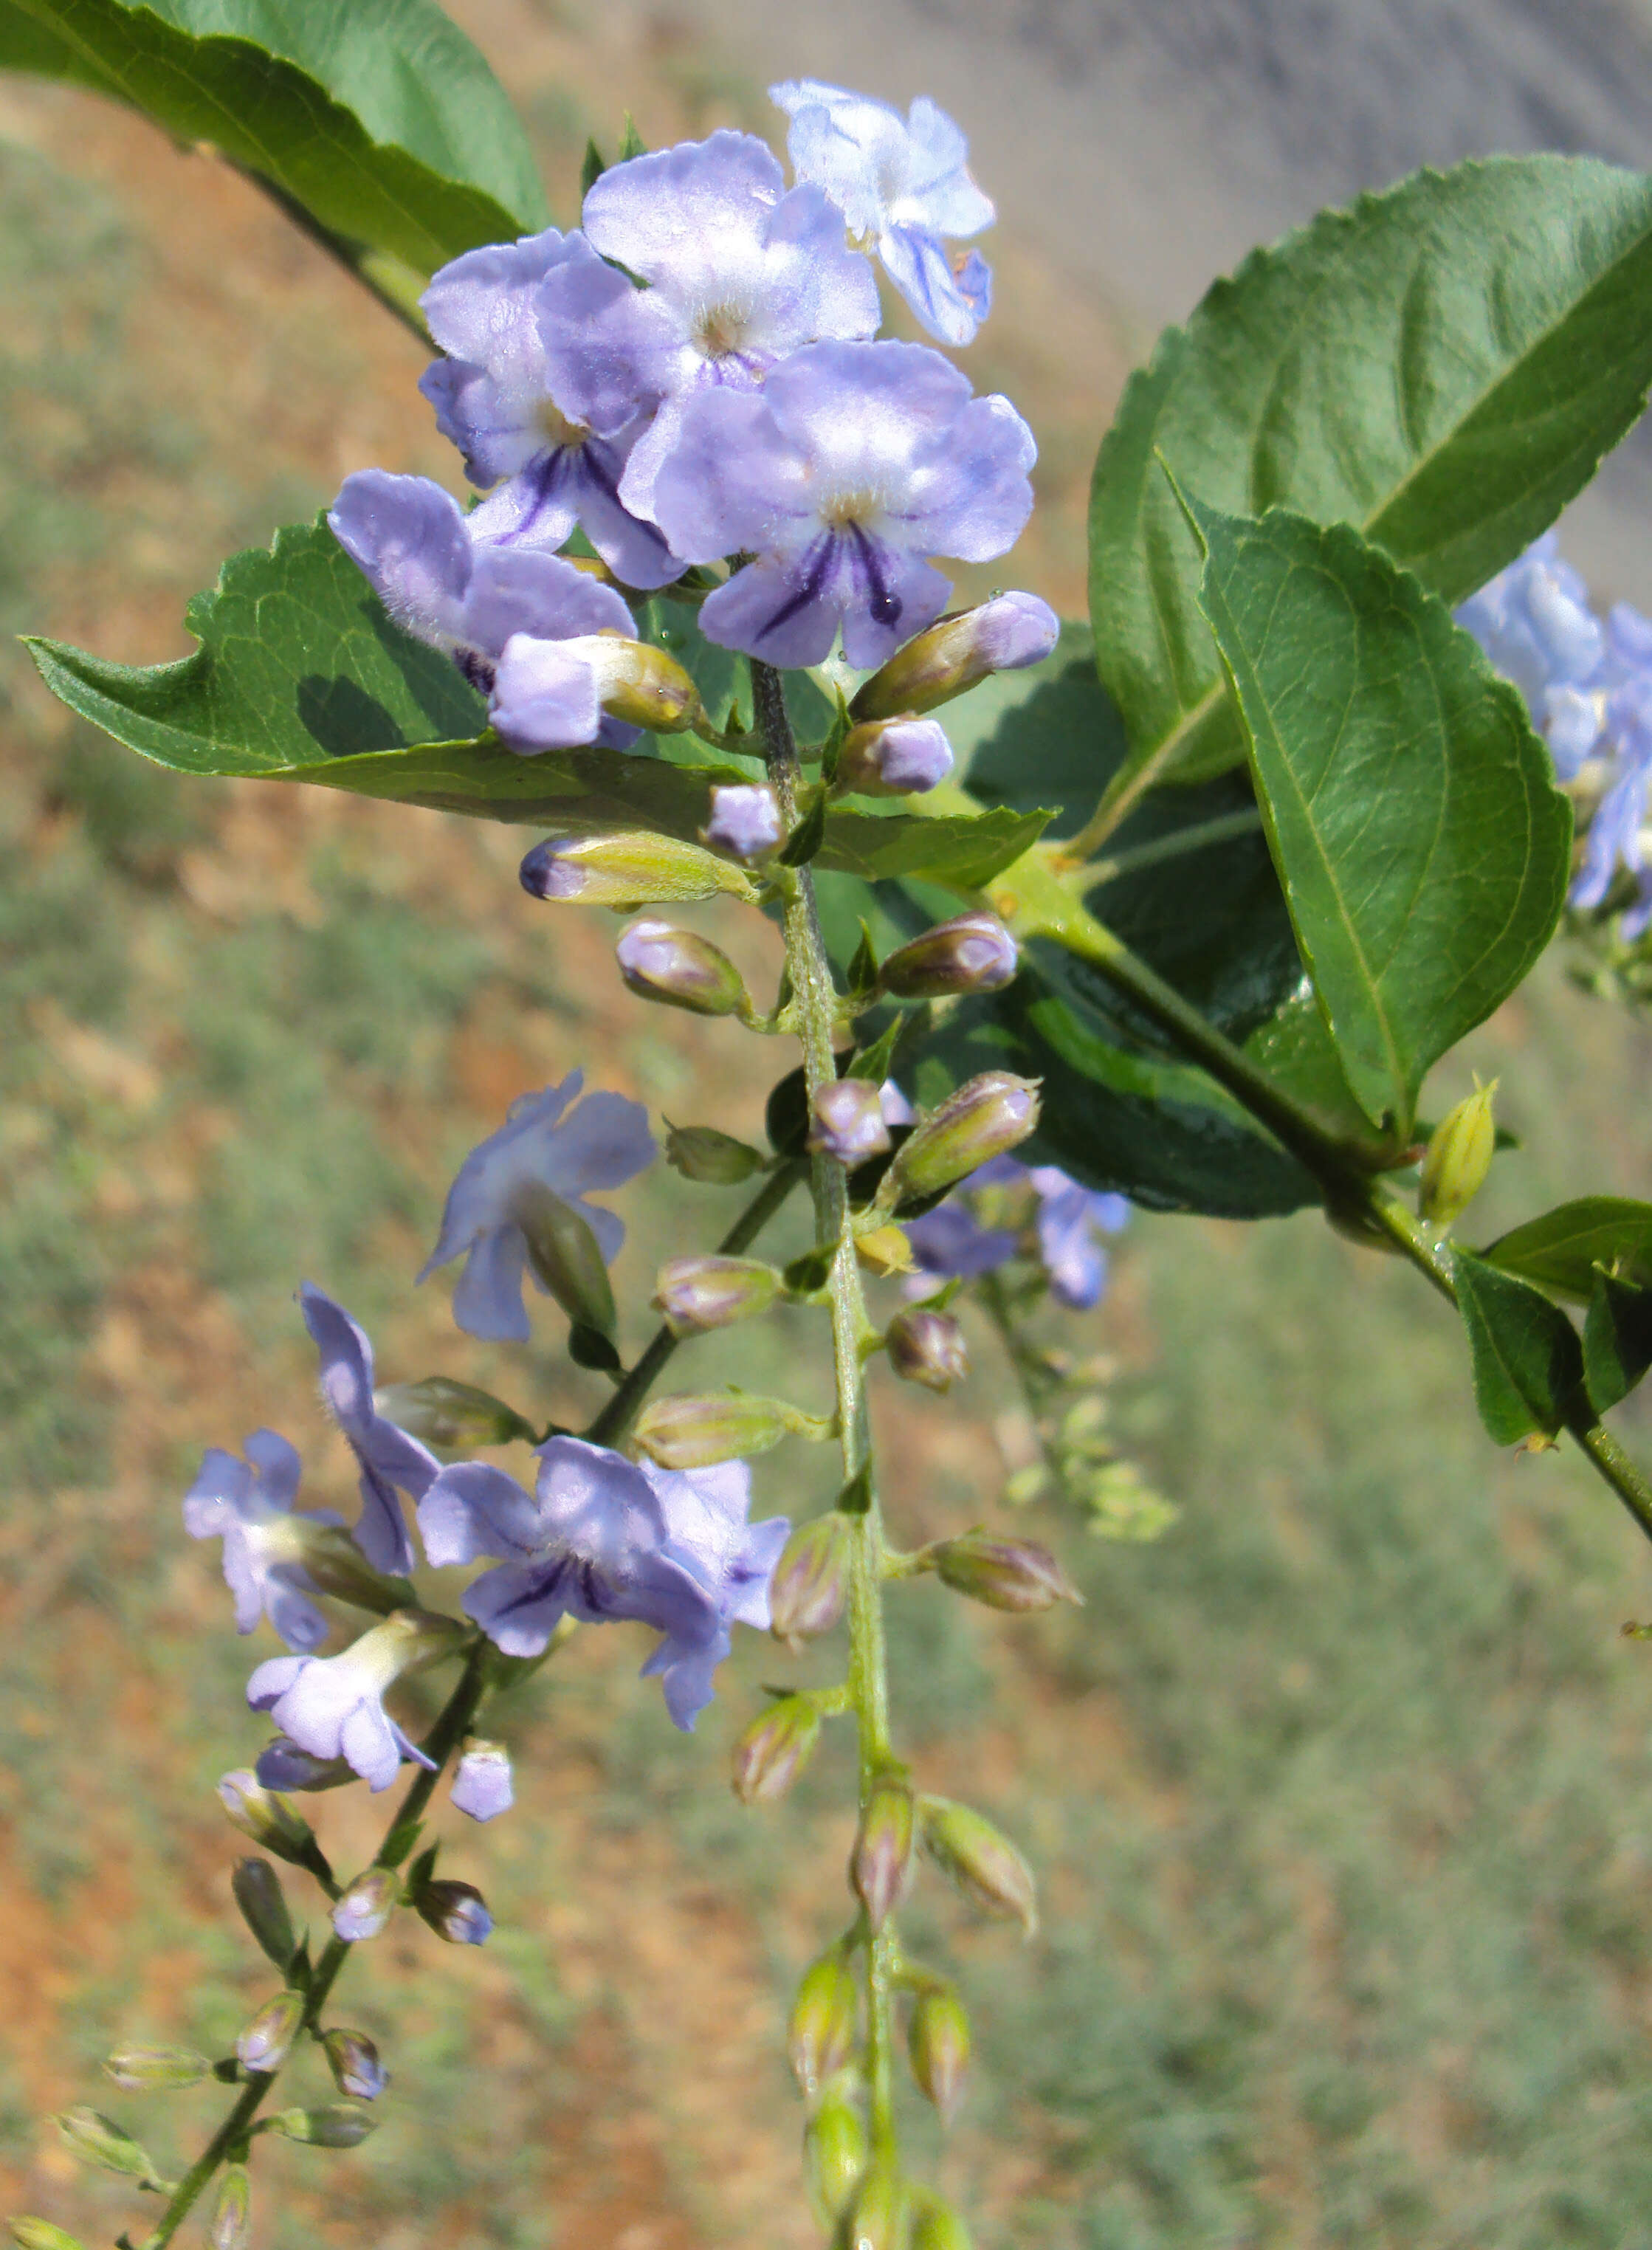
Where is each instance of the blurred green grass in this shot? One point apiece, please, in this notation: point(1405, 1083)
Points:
point(1338, 1791)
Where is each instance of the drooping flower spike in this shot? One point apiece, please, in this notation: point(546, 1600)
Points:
point(903, 188)
point(389, 1461)
point(248, 1504)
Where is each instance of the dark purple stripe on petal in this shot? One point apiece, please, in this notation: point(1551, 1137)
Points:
point(817, 564)
point(885, 604)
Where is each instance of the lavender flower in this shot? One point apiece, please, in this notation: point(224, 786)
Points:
point(333, 1705)
point(388, 1460)
point(902, 186)
point(497, 398)
point(1534, 622)
point(600, 1143)
point(1616, 832)
point(853, 466)
point(249, 1505)
point(482, 1785)
point(705, 1512)
point(738, 273)
point(952, 1240)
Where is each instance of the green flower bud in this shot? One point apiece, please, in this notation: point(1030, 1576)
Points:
point(712, 1159)
point(566, 1256)
point(986, 1117)
point(660, 962)
point(880, 2216)
point(455, 1416)
point(337, 2125)
point(972, 953)
point(263, 1904)
point(927, 1347)
point(155, 2069)
point(775, 1747)
point(40, 2234)
point(268, 2040)
point(978, 1861)
point(688, 1432)
point(880, 1863)
point(821, 2036)
point(642, 685)
point(834, 2154)
point(230, 2225)
point(805, 1594)
point(707, 1291)
point(1000, 635)
point(1458, 1157)
point(267, 1817)
point(937, 2226)
point(1006, 1574)
point(938, 2042)
point(630, 867)
point(98, 2140)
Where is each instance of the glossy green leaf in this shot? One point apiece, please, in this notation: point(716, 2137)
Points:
point(1562, 1250)
point(1412, 811)
point(1442, 365)
point(300, 676)
point(1528, 1364)
point(1617, 1340)
point(378, 116)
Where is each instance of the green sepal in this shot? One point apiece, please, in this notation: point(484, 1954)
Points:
point(590, 1348)
point(862, 974)
point(592, 168)
point(1617, 1339)
point(631, 141)
point(855, 1499)
point(808, 1275)
point(805, 839)
point(422, 1868)
point(1528, 1364)
point(874, 1062)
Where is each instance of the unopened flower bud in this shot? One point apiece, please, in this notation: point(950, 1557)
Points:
point(483, 1782)
point(456, 1417)
point(353, 2060)
point(268, 2040)
point(936, 2226)
point(986, 1117)
point(1458, 1157)
point(707, 1291)
point(98, 2140)
point(712, 1159)
point(1002, 635)
point(834, 2154)
point(978, 1861)
point(455, 1911)
point(848, 1122)
point(155, 2069)
point(265, 1817)
point(263, 1904)
point(689, 1431)
point(1006, 1574)
point(744, 819)
point(628, 867)
point(367, 1905)
point(548, 693)
point(821, 2036)
point(31, 2233)
point(938, 2042)
point(894, 757)
point(886, 1251)
point(642, 685)
point(972, 953)
point(881, 1864)
point(230, 2225)
point(335, 2125)
point(660, 962)
point(566, 1256)
point(282, 1764)
point(927, 1347)
point(880, 2216)
point(805, 1594)
point(775, 1747)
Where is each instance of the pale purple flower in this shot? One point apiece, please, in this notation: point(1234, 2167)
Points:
point(389, 1460)
point(705, 1512)
point(744, 819)
point(853, 466)
point(952, 1239)
point(333, 1706)
point(548, 1140)
point(497, 399)
point(482, 1785)
point(902, 186)
point(739, 272)
point(1533, 620)
point(248, 1504)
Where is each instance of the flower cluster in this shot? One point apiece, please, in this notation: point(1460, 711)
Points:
point(1588, 687)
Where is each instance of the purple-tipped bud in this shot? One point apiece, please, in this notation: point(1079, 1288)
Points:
point(263, 1904)
point(367, 1905)
point(880, 2216)
point(455, 1416)
point(268, 2040)
point(706, 1291)
point(660, 962)
point(821, 2036)
point(972, 953)
point(1002, 635)
point(744, 819)
point(848, 1123)
point(282, 1764)
point(265, 1817)
point(710, 1158)
point(1006, 1574)
point(482, 1786)
point(353, 2060)
point(938, 2042)
point(631, 867)
point(230, 2225)
point(978, 1861)
point(335, 2125)
point(986, 1118)
point(95, 2139)
point(894, 757)
point(927, 1347)
point(155, 2069)
point(566, 1255)
point(775, 1747)
point(881, 1864)
point(937, 2226)
point(455, 1911)
point(810, 1581)
point(688, 1432)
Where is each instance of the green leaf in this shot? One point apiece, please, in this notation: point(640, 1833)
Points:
point(379, 116)
point(1411, 810)
point(1527, 1361)
point(1617, 1340)
point(1442, 365)
point(1562, 1250)
point(300, 676)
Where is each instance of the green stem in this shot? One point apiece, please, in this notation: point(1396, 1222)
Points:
point(816, 1000)
point(453, 1724)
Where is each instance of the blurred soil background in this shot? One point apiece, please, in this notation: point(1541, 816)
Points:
point(1339, 1791)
